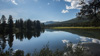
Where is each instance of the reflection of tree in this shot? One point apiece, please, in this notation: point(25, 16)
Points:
point(28, 34)
point(5, 38)
point(2, 43)
point(36, 33)
point(10, 41)
point(19, 35)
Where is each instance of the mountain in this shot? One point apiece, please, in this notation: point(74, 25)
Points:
point(72, 22)
point(50, 22)
point(75, 20)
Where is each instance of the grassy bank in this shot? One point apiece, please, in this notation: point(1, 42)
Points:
point(74, 27)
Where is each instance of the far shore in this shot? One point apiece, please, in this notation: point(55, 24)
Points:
point(74, 27)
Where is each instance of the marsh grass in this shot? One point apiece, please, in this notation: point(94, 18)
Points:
point(75, 28)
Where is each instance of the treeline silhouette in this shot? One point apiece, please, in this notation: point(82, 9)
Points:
point(10, 26)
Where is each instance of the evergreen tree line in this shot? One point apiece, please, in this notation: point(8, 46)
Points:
point(9, 25)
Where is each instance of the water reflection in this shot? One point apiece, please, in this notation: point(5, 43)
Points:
point(92, 33)
point(92, 44)
point(56, 38)
point(9, 38)
point(4, 39)
point(28, 34)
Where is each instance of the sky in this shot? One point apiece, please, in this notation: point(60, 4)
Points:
point(43, 10)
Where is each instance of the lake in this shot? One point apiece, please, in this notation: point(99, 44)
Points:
point(56, 39)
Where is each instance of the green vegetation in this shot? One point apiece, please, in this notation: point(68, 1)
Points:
point(75, 28)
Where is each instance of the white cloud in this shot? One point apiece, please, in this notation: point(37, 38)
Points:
point(68, 0)
point(14, 2)
point(48, 3)
point(64, 11)
point(74, 4)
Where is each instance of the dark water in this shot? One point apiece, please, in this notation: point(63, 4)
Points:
point(56, 39)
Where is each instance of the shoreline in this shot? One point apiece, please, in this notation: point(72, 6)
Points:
point(74, 27)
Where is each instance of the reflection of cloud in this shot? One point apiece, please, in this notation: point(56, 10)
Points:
point(74, 45)
point(86, 40)
point(15, 51)
point(65, 41)
point(56, 31)
point(96, 41)
point(83, 38)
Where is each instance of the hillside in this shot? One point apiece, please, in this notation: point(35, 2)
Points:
point(83, 21)
point(72, 22)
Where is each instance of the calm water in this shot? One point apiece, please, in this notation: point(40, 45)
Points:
point(55, 38)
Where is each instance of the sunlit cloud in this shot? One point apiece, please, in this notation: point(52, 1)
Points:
point(64, 11)
point(14, 2)
point(74, 4)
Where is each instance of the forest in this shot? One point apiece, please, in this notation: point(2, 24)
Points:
point(8, 26)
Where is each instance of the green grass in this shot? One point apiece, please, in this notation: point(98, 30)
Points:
point(75, 28)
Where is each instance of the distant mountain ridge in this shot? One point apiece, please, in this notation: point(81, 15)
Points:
point(73, 22)
point(50, 22)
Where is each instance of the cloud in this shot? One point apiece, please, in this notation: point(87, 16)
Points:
point(74, 4)
point(14, 2)
point(48, 3)
point(68, 0)
point(64, 11)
